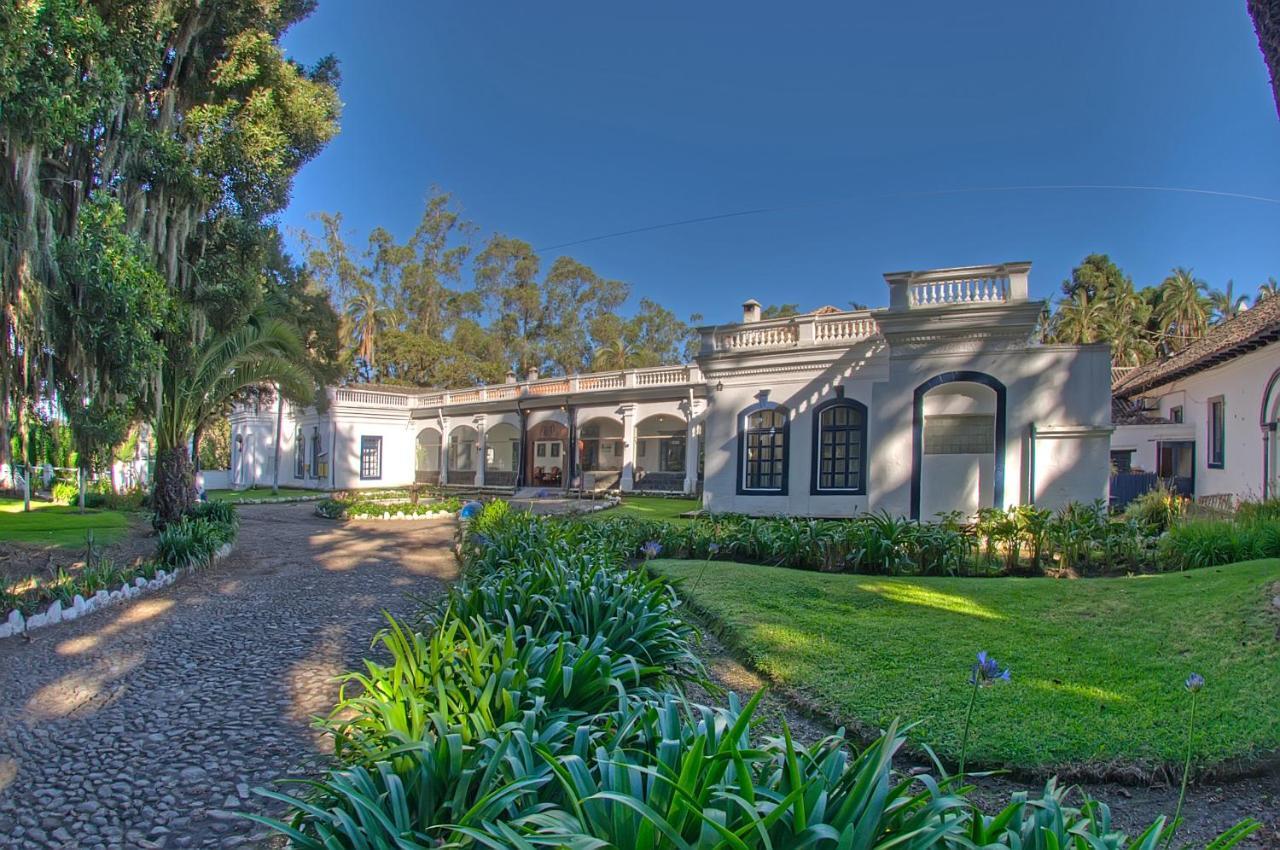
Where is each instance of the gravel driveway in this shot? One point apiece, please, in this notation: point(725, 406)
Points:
point(147, 725)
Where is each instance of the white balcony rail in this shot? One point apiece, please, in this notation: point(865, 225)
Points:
point(660, 376)
point(971, 285)
point(752, 337)
point(370, 398)
point(834, 330)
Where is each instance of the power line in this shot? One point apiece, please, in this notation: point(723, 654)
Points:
point(1048, 187)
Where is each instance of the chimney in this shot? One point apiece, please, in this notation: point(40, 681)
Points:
point(511, 376)
point(750, 311)
point(533, 374)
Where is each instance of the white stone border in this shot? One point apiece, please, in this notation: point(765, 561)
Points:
point(16, 624)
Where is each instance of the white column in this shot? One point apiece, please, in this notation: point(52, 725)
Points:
point(444, 451)
point(692, 435)
point(482, 448)
point(628, 448)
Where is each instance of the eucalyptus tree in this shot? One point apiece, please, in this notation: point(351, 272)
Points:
point(1183, 311)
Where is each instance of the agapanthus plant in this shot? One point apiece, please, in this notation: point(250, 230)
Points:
point(984, 673)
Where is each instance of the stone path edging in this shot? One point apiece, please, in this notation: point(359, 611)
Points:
point(16, 624)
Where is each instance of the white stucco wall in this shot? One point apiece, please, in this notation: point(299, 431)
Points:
point(1050, 386)
point(1241, 383)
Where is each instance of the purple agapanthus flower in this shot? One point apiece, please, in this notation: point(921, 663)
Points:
point(987, 671)
point(470, 509)
point(651, 550)
point(713, 548)
point(1195, 682)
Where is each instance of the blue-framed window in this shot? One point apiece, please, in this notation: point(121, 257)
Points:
point(763, 449)
point(839, 448)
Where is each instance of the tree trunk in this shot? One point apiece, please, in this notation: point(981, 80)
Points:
point(81, 478)
point(26, 455)
point(175, 491)
point(275, 474)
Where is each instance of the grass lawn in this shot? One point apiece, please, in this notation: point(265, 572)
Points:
point(1098, 664)
point(59, 525)
point(652, 507)
point(285, 494)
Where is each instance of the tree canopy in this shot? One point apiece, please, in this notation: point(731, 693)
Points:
point(445, 308)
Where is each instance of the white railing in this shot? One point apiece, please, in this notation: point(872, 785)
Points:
point(370, 398)
point(752, 338)
point(659, 376)
point(966, 290)
point(841, 329)
point(1005, 283)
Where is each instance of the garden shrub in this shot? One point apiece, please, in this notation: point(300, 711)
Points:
point(1156, 511)
point(1258, 511)
point(540, 707)
point(352, 508)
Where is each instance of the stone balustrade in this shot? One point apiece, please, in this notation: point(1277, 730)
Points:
point(1005, 283)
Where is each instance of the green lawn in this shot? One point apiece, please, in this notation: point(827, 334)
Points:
point(652, 507)
point(1098, 664)
point(286, 493)
point(59, 525)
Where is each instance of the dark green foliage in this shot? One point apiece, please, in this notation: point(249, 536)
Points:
point(531, 712)
point(194, 539)
point(355, 508)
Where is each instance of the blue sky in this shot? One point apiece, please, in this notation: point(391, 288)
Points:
point(856, 123)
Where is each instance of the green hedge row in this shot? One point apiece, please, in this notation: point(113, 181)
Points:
point(539, 706)
point(357, 508)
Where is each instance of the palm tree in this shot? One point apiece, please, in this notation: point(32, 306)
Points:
point(189, 395)
point(1080, 320)
point(366, 318)
point(1225, 304)
point(1184, 309)
point(615, 355)
point(1269, 289)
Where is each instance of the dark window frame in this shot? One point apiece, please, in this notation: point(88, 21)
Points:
point(1216, 442)
point(370, 472)
point(815, 472)
point(1176, 414)
point(743, 437)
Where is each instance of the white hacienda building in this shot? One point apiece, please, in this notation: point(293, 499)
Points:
point(938, 402)
point(1205, 418)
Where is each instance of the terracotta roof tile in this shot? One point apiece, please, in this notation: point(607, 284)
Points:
point(1249, 330)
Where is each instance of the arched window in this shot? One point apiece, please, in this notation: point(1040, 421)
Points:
point(840, 448)
point(299, 454)
point(762, 450)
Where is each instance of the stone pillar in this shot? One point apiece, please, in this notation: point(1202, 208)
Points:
point(628, 478)
point(482, 447)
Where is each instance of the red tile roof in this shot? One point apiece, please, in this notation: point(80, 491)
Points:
point(1249, 330)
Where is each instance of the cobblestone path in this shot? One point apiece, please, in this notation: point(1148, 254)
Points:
point(147, 725)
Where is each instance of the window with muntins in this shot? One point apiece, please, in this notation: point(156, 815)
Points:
point(1217, 433)
point(840, 448)
point(370, 457)
point(764, 451)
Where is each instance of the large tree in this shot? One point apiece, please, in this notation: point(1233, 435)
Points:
point(187, 115)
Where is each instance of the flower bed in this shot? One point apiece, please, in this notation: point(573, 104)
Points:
point(540, 707)
point(199, 539)
point(366, 509)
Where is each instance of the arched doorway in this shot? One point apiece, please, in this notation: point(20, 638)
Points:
point(958, 437)
point(600, 453)
point(501, 455)
point(661, 452)
point(427, 457)
point(464, 442)
point(1269, 419)
point(546, 466)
